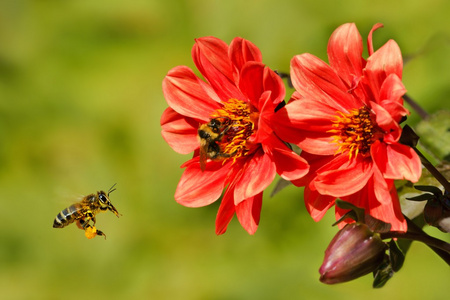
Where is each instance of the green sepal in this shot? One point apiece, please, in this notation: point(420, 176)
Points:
point(358, 212)
point(409, 137)
point(396, 256)
point(377, 225)
point(429, 188)
point(382, 274)
point(423, 197)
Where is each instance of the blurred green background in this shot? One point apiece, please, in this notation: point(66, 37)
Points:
point(80, 103)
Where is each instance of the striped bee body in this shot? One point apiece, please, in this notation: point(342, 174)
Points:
point(69, 215)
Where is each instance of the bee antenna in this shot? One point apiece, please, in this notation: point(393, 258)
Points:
point(112, 189)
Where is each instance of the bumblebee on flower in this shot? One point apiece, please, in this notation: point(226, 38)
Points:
point(227, 122)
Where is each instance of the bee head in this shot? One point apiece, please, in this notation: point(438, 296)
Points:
point(105, 202)
point(214, 124)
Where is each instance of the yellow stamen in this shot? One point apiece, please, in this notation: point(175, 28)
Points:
point(354, 132)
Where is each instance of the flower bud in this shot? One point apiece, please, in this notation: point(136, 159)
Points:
point(354, 251)
point(437, 214)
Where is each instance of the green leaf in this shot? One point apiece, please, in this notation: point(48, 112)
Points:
point(435, 134)
point(406, 190)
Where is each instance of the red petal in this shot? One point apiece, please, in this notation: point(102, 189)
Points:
point(398, 223)
point(345, 53)
point(369, 38)
point(315, 163)
point(256, 80)
point(274, 84)
point(314, 79)
point(210, 55)
point(386, 122)
point(316, 204)
point(248, 213)
point(264, 127)
point(379, 199)
point(305, 123)
point(179, 132)
point(289, 165)
point(386, 207)
point(188, 95)
point(197, 188)
point(392, 89)
point(251, 82)
point(343, 177)
point(359, 199)
point(391, 93)
point(226, 211)
point(296, 96)
point(397, 161)
point(378, 186)
point(317, 143)
point(308, 114)
point(255, 175)
point(385, 61)
point(242, 51)
point(397, 111)
point(213, 51)
point(390, 213)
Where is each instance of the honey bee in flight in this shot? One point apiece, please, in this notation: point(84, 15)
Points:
point(210, 134)
point(84, 212)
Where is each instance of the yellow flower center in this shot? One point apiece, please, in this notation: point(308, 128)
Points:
point(355, 132)
point(239, 122)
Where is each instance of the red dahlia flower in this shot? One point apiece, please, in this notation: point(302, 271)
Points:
point(227, 122)
point(346, 117)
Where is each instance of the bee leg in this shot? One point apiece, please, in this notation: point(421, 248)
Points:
point(83, 223)
point(80, 224)
point(225, 155)
point(90, 216)
point(99, 232)
point(220, 136)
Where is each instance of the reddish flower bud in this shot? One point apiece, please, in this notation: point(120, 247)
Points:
point(437, 214)
point(354, 251)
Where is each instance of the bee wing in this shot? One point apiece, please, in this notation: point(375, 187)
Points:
point(203, 157)
point(65, 199)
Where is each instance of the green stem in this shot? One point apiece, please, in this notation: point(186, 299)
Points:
point(429, 240)
point(427, 164)
point(420, 111)
point(415, 233)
